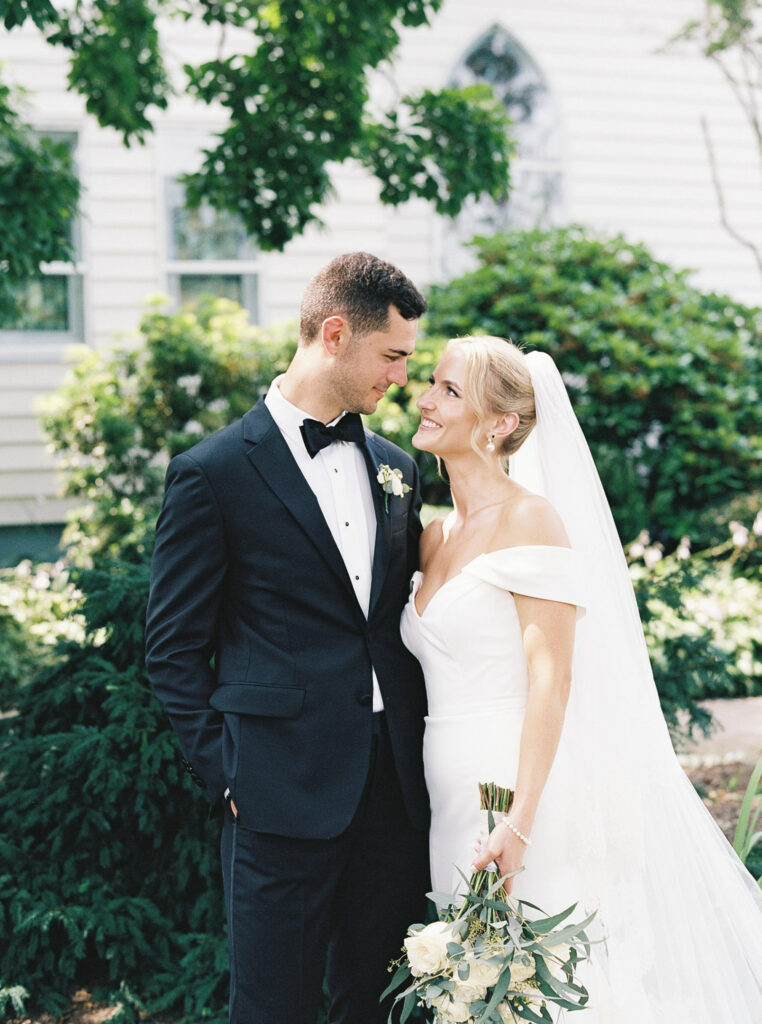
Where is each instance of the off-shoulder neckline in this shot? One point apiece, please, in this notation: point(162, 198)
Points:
point(461, 571)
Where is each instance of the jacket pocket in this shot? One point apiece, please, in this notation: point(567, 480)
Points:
point(258, 699)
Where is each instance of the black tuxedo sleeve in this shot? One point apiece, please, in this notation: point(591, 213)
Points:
point(187, 579)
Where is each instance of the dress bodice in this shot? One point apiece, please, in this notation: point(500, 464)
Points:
point(468, 638)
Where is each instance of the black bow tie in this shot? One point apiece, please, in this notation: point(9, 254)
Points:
point(318, 436)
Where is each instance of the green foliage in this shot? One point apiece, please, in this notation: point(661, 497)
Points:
point(434, 156)
point(724, 25)
point(702, 624)
point(15, 12)
point(37, 610)
point(107, 866)
point(747, 837)
point(122, 415)
point(12, 1000)
point(116, 63)
point(296, 94)
point(666, 380)
point(39, 193)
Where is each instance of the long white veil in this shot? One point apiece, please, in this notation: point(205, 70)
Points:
point(681, 916)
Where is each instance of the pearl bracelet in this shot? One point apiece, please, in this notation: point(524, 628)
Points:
point(509, 824)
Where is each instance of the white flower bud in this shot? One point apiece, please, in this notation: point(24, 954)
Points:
point(739, 534)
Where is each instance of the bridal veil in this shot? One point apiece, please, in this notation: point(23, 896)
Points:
point(679, 917)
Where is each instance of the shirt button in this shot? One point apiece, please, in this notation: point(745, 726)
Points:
point(357, 577)
point(346, 524)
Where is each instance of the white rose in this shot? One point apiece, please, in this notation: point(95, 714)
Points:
point(449, 1011)
point(397, 487)
point(457, 1013)
point(522, 969)
point(469, 991)
point(427, 949)
point(482, 972)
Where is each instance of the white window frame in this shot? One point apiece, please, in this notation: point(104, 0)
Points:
point(181, 153)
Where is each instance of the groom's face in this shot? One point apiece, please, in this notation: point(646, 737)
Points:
point(366, 367)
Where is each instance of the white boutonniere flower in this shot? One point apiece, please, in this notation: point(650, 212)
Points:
point(391, 483)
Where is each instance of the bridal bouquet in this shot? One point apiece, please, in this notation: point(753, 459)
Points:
point(484, 961)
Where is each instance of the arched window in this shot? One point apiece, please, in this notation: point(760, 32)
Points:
point(536, 198)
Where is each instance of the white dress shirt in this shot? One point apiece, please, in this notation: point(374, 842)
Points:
point(338, 477)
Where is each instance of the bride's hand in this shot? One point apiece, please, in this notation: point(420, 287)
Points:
point(503, 847)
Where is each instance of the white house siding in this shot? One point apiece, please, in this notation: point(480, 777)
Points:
point(634, 161)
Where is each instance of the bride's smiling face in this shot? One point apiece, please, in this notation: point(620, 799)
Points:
point(447, 420)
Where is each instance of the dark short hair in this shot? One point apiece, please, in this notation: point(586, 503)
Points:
point(360, 287)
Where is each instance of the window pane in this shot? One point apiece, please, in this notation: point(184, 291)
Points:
point(499, 60)
point(536, 197)
point(43, 305)
point(204, 234)
point(73, 228)
point(221, 286)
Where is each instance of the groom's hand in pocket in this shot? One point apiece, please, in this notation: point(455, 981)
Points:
point(229, 800)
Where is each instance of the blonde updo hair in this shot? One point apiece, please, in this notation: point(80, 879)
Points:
point(497, 381)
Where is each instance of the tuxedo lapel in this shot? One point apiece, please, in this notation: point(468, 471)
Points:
point(374, 457)
point(271, 457)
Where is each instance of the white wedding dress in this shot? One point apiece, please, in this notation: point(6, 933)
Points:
point(468, 641)
point(619, 828)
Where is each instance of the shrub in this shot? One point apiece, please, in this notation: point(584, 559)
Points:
point(665, 379)
point(702, 624)
point(37, 609)
point(121, 416)
point(108, 868)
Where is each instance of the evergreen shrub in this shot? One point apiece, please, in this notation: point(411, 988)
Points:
point(109, 872)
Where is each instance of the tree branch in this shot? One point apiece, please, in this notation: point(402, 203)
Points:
point(724, 220)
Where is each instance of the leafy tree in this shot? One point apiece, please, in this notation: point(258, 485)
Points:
point(665, 379)
point(39, 193)
point(122, 415)
point(296, 93)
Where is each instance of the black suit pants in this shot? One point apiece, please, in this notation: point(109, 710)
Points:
point(299, 909)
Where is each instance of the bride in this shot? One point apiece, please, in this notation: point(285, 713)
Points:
point(537, 675)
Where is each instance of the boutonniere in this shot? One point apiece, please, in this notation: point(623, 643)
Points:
point(391, 483)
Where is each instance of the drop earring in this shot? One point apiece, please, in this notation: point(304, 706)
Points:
point(491, 443)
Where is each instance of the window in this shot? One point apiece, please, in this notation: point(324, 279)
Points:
point(50, 307)
point(209, 253)
point(536, 199)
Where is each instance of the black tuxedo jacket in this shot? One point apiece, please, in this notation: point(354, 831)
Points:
point(257, 646)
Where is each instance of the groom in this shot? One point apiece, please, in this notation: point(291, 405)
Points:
point(280, 572)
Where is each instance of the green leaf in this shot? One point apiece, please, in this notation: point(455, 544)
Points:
point(400, 975)
point(498, 993)
point(549, 923)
